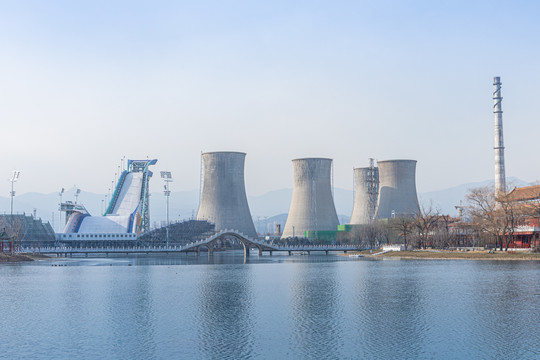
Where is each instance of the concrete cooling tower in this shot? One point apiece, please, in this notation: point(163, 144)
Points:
point(223, 199)
point(366, 191)
point(312, 205)
point(397, 189)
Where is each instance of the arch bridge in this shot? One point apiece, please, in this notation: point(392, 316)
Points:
point(210, 244)
point(217, 239)
point(214, 241)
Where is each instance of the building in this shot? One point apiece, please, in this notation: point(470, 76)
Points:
point(527, 233)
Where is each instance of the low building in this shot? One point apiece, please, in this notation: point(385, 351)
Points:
point(527, 233)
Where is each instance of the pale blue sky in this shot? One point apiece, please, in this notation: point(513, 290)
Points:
point(84, 83)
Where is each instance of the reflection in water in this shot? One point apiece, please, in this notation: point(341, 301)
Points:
point(315, 309)
point(225, 310)
point(271, 307)
point(509, 298)
point(135, 295)
point(390, 318)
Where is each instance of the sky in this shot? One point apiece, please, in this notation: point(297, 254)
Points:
point(86, 83)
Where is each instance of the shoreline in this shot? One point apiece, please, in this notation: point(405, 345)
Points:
point(16, 258)
point(376, 254)
point(455, 255)
point(10, 258)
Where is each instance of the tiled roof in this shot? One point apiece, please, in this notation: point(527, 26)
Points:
point(525, 193)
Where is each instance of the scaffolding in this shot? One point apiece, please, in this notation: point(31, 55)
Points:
point(372, 185)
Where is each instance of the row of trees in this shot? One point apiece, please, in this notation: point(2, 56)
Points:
point(426, 229)
point(487, 221)
point(496, 218)
point(14, 229)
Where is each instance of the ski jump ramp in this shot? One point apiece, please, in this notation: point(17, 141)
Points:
point(127, 212)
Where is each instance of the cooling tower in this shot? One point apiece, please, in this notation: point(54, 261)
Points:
point(223, 198)
point(366, 191)
point(312, 205)
point(397, 189)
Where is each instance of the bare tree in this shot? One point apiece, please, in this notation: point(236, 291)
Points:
point(385, 232)
point(497, 217)
point(371, 235)
point(425, 223)
point(16, 228)
point(446, 237)
point(404, 226)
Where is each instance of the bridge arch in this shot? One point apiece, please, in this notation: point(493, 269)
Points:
point(246, 243)
point(208, 247)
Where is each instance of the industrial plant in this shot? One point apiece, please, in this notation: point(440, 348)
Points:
point(385, 189)
point(381, 192)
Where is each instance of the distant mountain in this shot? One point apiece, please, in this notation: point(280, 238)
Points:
point(265, 225)
point(273, 205)
point(446, 200)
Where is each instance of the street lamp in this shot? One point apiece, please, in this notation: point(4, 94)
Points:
point(167, 178)
point(13, 179)
point(60, 210)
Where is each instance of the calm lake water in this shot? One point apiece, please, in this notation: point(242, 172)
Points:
point(279, 307)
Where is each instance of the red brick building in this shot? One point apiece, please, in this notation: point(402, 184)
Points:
point(527, 233)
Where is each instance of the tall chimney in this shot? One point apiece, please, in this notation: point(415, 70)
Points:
point(500, 179)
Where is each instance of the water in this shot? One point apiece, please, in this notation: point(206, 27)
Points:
point(276, 307)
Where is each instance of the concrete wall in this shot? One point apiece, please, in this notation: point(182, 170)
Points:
point(366, 193)
point(397, 189)
point(224, 202)
point(312, 205)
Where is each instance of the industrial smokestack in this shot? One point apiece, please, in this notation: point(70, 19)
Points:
point(397, 189)
point(366, 191)
point(500, 178)
point(312, 206)
point(223, 198)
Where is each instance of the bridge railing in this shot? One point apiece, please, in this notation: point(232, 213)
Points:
point(191, 245)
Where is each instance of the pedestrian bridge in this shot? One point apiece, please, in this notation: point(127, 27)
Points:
point(210, 245)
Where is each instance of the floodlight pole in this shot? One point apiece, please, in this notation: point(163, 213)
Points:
point(12, 194)
point(60, 211)
point(167, 228)
point(13, 179)
point(167, 178)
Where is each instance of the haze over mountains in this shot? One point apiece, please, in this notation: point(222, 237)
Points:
point(270, 208)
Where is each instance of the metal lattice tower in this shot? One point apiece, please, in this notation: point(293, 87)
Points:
point(366, 190)
point(373, 188)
